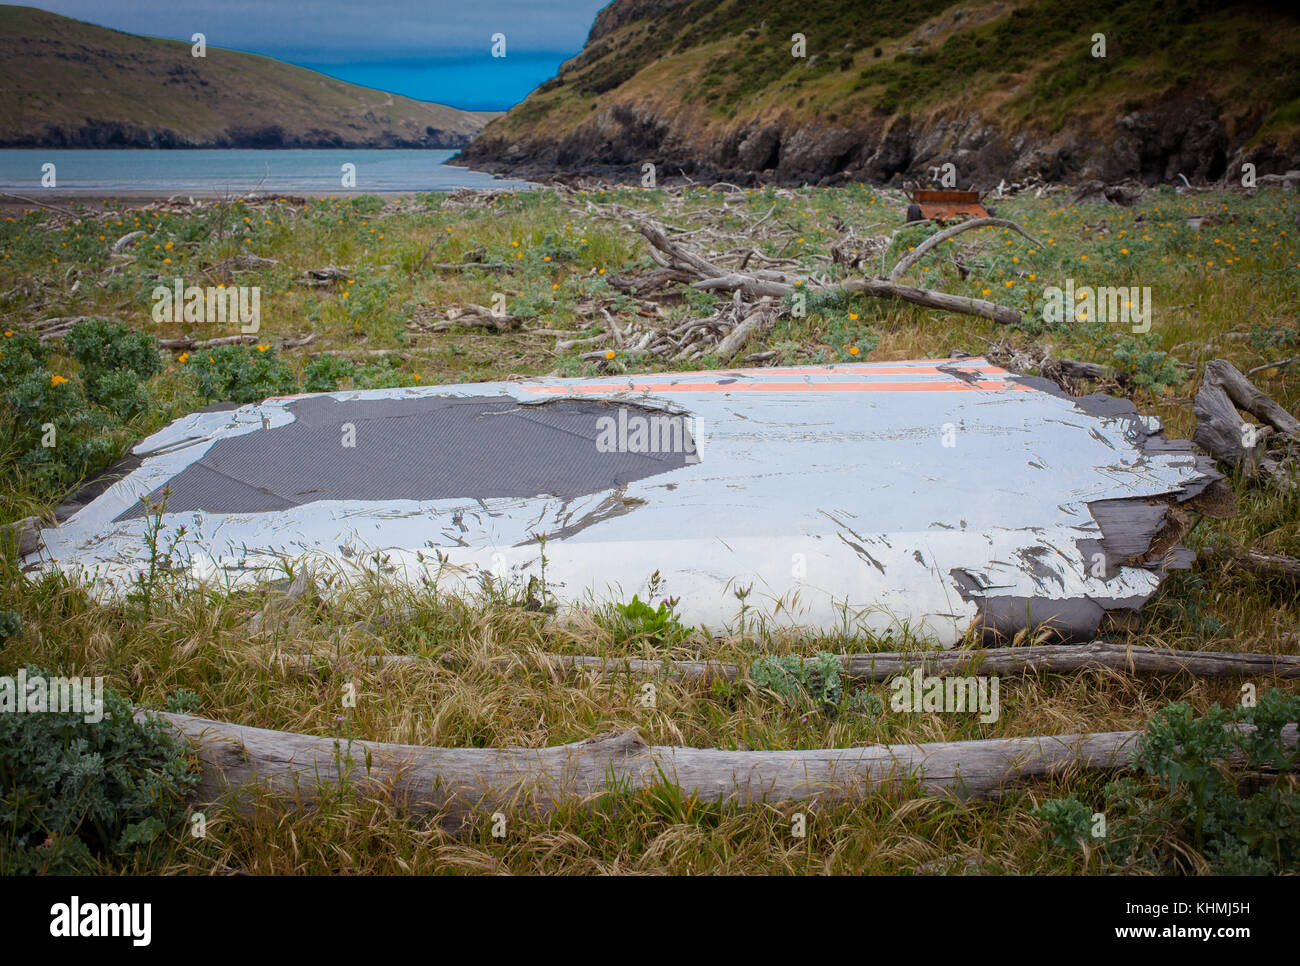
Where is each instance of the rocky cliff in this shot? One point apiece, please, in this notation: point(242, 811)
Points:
point(887, 91)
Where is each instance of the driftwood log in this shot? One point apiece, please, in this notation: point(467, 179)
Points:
point(1257, 562)
point(1247, 397)
point(174, 344)
point(21, 537)
point(884, 665)
point(458, 782)
point(1054, 659)
point(1222, 433)
point(919, 252)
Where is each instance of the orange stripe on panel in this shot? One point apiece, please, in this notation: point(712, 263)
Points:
point(687, 387)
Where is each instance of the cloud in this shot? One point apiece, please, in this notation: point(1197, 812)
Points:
point(340, 31)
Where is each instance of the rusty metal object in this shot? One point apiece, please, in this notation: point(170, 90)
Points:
point(943, 205)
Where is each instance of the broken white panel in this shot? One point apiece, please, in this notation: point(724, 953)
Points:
point(932, 494)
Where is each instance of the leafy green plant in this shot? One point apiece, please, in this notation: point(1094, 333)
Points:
point(789, 676)
point(75, 795)
point(1067, 819)
point(1267, 338)
point(55, 432)
point(11, 625)
point(1223, 784)
point(325, 372)
point(654, 625)
point(1145, 365)
point(183, 701)
point(240, 373)
point(866, 703)
point(102, 346)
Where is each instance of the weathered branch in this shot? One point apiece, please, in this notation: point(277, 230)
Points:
point(458, 781)
point(881, 288)
point(1258, 562)
point(919, 252)
point(1221, 432)
point(759, 320)
point(1247, 397)
point(173, 344)
point(884, 665)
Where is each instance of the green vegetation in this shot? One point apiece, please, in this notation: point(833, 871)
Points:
point(79, 796)
point(1221, 795)
point(60, 428)
point(1226, 290)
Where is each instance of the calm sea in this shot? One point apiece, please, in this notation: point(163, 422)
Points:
point(101, 172)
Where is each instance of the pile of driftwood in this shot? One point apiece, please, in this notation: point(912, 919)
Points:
point(1265, 454)
point(1261, 453)
point(758, 290)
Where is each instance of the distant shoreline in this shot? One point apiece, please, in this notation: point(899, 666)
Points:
point(100, 200)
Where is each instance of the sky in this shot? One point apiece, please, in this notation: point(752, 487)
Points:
point(432, 50)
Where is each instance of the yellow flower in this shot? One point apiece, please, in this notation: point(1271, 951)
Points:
point(8, 333)
point(263, 348)
point(853, 350)
point(417, 377)
point(853, 315)
point(184, 357)
point(57, 380)
point(609, 353)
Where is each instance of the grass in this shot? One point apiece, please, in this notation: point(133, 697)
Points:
point(1228, 290)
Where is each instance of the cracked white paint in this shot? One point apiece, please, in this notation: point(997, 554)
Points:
point(829, 489)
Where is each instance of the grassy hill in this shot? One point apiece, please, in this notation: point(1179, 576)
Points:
point(1008, 88)
point(65, 83)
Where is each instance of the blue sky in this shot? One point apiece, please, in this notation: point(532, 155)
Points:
point(432, 50)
